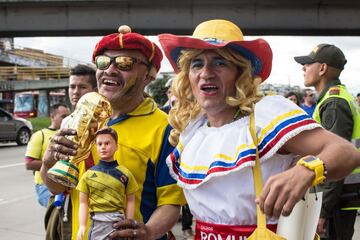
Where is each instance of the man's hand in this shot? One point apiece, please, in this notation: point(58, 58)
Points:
point(60, 148)
point(282, 191)
point(160, 222)
point(129, 228)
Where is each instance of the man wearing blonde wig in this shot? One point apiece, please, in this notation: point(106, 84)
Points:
point(225, 130)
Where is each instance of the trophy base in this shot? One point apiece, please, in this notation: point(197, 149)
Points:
point(64, 173)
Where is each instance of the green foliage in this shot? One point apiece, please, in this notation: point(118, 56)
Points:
point(39, 123)
point(158, 90)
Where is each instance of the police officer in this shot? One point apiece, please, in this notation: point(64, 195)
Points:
point(337, 112)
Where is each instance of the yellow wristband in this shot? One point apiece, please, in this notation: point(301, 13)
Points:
point(314, 164)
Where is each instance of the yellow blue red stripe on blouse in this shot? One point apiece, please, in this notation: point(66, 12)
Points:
point(267, 138)
point(143, 148)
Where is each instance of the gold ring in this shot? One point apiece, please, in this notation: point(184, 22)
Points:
point(134, 233)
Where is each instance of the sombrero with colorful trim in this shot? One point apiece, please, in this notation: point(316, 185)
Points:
point(215, 34)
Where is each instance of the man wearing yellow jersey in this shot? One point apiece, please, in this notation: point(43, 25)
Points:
point(126, 62)
point(38, 144)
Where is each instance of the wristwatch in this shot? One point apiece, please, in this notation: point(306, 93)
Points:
point(314, 164)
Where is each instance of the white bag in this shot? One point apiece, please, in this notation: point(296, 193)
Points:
point(302, 222)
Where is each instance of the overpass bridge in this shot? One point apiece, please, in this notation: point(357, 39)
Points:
point(28, 18)
point(32, 85)
point(25, 18)
point(17, 78)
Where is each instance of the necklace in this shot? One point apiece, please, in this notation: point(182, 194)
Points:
point(235, 117)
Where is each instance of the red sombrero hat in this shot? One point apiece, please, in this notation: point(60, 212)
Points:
point(126, 39)
point(216, 34)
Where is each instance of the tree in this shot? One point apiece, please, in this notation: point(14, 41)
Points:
point(157, 88)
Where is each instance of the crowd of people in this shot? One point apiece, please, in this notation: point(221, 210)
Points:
point(306, 99)
point(234, 159)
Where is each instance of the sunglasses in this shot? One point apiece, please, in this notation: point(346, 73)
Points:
point(122, 63)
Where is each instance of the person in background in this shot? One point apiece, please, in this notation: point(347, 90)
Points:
point(186, 222)
point(37, 146)
point(58, 218)
point(358, 98)
point(82, 80)
point(292, 97)
point(167, 106)
point(338, 112)
point(126, 62)
point(309, 101)
point(221, 122)
point(107, 190)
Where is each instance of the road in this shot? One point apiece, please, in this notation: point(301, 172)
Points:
point(21, 217)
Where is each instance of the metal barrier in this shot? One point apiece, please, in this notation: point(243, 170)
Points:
point(34, 73)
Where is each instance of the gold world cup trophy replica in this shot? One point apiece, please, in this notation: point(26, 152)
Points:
point(91, 113)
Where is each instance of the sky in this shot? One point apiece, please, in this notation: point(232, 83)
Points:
point(284, 71)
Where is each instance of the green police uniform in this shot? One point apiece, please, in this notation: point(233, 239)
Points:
point(335, 112)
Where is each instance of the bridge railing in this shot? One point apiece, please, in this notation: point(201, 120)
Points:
point(34, 73)
point(49, 59)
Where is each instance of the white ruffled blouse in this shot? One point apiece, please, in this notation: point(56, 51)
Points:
point(214, 165)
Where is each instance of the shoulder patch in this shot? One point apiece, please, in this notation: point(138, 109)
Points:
point(329, 119)
point(334, 90)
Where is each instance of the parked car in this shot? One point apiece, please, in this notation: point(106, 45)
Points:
point(14, 129)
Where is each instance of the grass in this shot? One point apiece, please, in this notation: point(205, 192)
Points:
point(39, 123)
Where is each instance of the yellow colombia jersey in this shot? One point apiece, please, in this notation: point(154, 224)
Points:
point(142, 148)
point(107, 185)
point(37, 146)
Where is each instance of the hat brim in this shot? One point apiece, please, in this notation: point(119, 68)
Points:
point(304, 60)
point(257, 51)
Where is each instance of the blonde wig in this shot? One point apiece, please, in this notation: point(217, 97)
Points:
point(187, 108)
